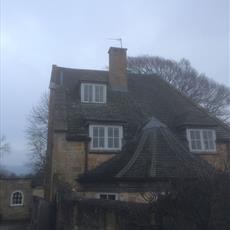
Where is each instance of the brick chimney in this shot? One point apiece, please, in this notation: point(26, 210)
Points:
point(117, 68)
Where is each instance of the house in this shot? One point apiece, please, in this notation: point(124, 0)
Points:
point(15, 198)
point(114, 135)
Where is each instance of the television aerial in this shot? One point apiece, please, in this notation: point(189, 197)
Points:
point(117, 39)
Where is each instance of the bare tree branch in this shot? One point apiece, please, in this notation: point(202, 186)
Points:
point(212, 96)
point(36, 134)
point(4, 146)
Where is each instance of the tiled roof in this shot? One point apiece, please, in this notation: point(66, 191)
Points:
point(154, 154)
point(147, 96)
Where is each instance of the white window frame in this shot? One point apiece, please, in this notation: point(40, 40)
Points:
point(107, 194)
point(93, 93)
point(106, 127)
point(188, 134)
point(11, 198)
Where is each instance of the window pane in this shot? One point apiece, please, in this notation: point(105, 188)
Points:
point(97, 93)
point(95, 142)
point(95, 132)
point(103, 196)
point(116, 132)
point(205, 134)
point(113, 137)
point(193, 144)
point(209, 142)
point(111, 197)
point(198, 144)
point(101, 132)
point(192, 135)
point(90, 93)
point(17, 198)
point(110, 142)
point(212, 145)
point(197, 134)
point(206, 145)
point(86, 93)
point(101, 93)
point(110, 132)
point(195, 139)
point(210, 135)
point(101, 142)
point(116, 143)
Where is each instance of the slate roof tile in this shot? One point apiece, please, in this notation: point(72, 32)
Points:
point(147, 96)
point(155, 154)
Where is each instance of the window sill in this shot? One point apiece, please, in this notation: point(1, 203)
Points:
point(93, 151)
point(92, 103)
point(16, 205)
point(202, 152)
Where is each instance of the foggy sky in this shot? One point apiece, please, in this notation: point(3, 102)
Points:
point(37, 34)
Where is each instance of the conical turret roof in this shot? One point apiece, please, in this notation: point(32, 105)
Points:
point(154, 154)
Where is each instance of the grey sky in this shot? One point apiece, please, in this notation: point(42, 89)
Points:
point(37, 34)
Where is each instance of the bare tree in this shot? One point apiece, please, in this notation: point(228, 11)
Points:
point(4, 146)
point(4, 149)
point(212, 96)
point(36, 134)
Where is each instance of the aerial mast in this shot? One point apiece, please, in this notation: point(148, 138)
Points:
point(117, 39)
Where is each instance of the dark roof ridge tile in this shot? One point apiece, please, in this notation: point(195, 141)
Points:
point(80, 70)
point(134, 157)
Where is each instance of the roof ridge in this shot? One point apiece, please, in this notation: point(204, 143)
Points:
point(79, 69)
point(153, 166)
point(196, 105)
point(177, 149)
point(134, 157)
point(183, 95)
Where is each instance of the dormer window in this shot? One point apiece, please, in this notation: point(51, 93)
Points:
point(106, 137)
point(93, 93)
point(201, 140)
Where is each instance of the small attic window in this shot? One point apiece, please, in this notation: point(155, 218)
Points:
point(201, 140)
point(93, 93)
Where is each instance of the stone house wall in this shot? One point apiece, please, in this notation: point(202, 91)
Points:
point(218, 159)
point(69, 161)
point(7, 187)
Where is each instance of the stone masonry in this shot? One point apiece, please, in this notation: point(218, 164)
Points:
point(7, 187)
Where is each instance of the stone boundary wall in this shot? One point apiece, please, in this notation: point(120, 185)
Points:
point(86, 214)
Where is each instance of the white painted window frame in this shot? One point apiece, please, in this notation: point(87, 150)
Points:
point(93, 93)
point(107, 193)
point(106, 127)
point(11, 198)
point(188, 134)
